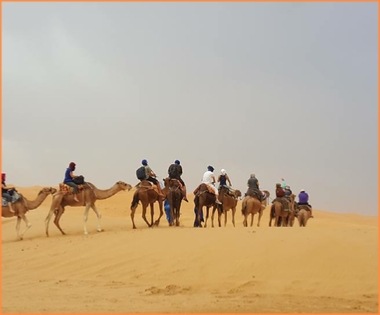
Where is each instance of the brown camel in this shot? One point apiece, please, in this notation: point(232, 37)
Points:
point(87, 197)
point(148, 194)
point(204, 198)
point(23, 205)
point(303, 215)
point(280, 216)
point(228, 202)
point(174, 196)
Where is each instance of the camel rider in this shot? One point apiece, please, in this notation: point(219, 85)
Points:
point(253, 188)
point(69, 179)
point(209, 180)
point(223, 179)
point(6, 192)
point(280, 194)
point(288, 192)
point(175, 172)
point(151, 176)
point(283, 183)
point(303, 199)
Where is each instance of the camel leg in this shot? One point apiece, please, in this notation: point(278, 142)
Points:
point(207, 213)
point(171, 222)
point(27, 223)
point(47, 220)
point(178, 210)
point(98, 215)
point(219, 216)
point(151, 214)
point(133, 217)
point(252, 216)
point(233, 216)
point(57, 218)
point(245, 220)
point(199, 222)
point(144, 215)
point(212, 217)
point(259, 219)
point(86, 217)
point(225, 217)
point(161, 207)
point(18, 227)
point(276, 220)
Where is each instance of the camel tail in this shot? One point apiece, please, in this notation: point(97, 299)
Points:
point(135, 201)
point(302, 218)
point(272, 211)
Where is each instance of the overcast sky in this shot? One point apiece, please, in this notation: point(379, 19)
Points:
point(276, 89)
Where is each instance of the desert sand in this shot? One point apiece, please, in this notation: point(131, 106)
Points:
point(331, 266)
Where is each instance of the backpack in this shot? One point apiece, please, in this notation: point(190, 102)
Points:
point(141, 173)
point(173, 171)
point(78, 180)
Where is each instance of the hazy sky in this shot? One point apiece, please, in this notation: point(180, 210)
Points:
point(278, 89)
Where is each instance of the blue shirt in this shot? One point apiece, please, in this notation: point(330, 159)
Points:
point(223, 180)
point(68, 178)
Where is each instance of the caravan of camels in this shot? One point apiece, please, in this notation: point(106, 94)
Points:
point(75, 192)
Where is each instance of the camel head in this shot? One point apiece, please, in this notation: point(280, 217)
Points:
point(267, 193)
point(166, 181)
point(237, 194)
point(124, 186)
point(47, 190)
point(292, 197)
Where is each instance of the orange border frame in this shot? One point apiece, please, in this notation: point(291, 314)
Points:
point(1, 86)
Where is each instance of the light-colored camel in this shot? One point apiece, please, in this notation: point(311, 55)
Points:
point(228, 202)
point(148, 194)
point(87, 197)
point(279, 214)
point(23, 205)
point(251, 205)
point(303, 215)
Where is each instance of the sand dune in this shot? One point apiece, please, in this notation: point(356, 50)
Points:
point(329, 266)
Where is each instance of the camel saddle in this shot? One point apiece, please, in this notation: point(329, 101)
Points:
point(305, 207)
point(285, 203)
point(230, 192)
point(209, 189)
point(146, 184)
point(255, 193)
point(15, 197)
point(70, 190)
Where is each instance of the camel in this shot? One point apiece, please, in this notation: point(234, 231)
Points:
point(174, 196)
point(228, 202)
point(204, 198)
point(87, 197)
point(23, 205)
point(148, 194)
point(277, 212)
point(252, 205)
point(266, 201)
point(303, 215)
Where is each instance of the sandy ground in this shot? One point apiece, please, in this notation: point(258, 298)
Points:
point(331, 266)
